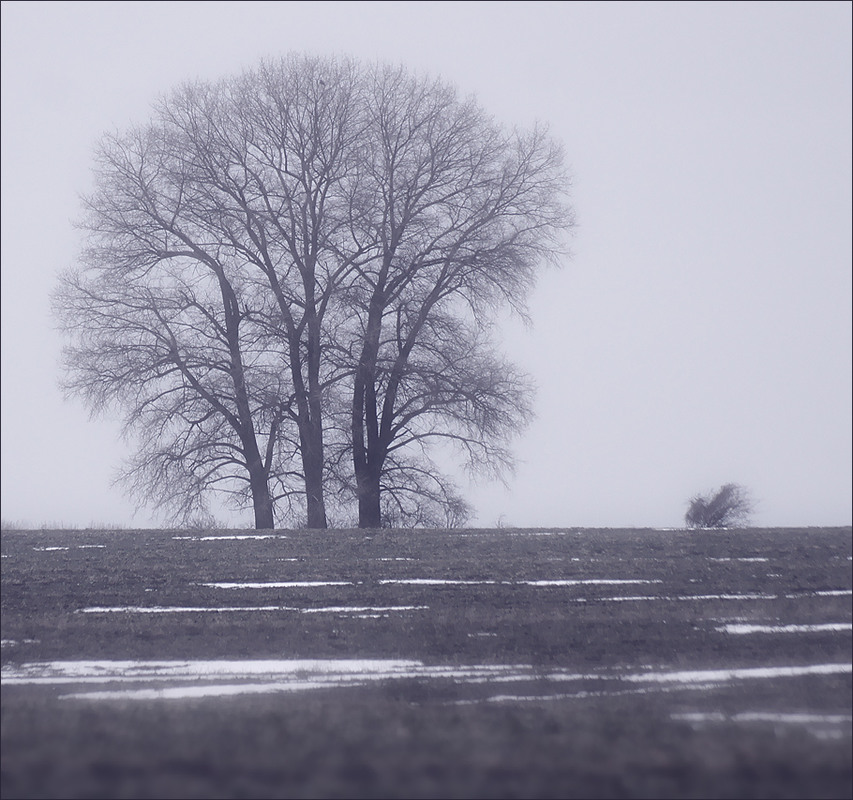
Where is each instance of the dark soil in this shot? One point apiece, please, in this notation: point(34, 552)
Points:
point(411, 738)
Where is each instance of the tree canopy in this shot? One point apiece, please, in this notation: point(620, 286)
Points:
point(288, 288)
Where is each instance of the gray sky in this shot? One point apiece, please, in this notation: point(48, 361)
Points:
point(701, 333)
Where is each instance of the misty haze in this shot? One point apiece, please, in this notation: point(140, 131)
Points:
point(426, 400)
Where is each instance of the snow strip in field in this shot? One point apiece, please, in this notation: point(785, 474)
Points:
point(739, 559)
point(107, 671)
point(278, 675)
point(765, 716)
point(226, 677)
point(177, 609)
point(585, 582)
point(78, 547)
point(560, 582)
point(360, 609)
point(276, 584)
point(434, 582)
point(744, 629)
point(243, 609)
point(821, 593)
point(688, 597)
point(537, 583)
point(749, 673)
point(639, 598)
point(231, 537)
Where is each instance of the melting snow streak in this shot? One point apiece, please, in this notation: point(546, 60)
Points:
point(828, 626)
point(228, 678)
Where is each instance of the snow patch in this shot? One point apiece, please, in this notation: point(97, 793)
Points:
point(177, 609)
point(276, 584)
point(682, 597)
point(243, 609)
point(585, 582)
point(539, 583)
point(361, 609)
point(750, 673)
point(739, 559)
point(745, 629)
point(219, 678)
point(190, 692)
point(765, 716)
point(432, 582)
point(231, 537)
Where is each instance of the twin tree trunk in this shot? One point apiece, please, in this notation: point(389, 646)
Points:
point(259, 483)
point(367, 483)
point(311, 435)
point(311, 440)
point(261, 500)
point(368, 457)
point(367, 460)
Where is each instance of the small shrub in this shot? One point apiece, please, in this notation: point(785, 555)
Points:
point(730, 507)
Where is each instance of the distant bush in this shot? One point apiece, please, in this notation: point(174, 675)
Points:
point(730, 507)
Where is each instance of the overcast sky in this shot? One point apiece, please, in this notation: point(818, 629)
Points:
point(701, 332)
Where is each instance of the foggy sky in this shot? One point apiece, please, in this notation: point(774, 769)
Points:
point(701, 332)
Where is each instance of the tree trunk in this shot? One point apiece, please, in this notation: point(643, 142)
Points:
point(316, 506)
point(365, 424)
point(314, 462)
point(244, 423)
point(311, 445)
point(258, 481)
point(367, 464)
point(262, 503)
point(369, 511)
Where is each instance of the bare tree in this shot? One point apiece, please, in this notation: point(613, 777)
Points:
point(163, 334)
point(271, 158)
point(455, 215)
point(730, 506)
point(296, 269)
point(245, 179)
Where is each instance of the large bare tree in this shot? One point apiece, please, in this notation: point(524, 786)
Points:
point(238, 178)
point(458, 215)
point(271, 157)
point(354, 230)
point(162, 329)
